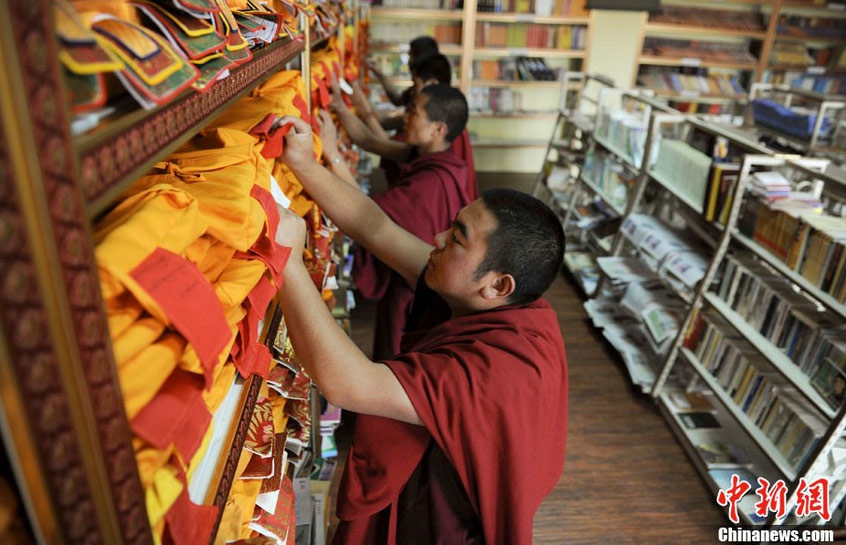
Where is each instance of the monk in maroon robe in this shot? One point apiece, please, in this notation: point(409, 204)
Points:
point(431, 191)
point(462, 434)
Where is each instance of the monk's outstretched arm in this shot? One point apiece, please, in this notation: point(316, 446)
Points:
point(347, 378)
point(393, 95)
point(363, 136)
point(354, 212)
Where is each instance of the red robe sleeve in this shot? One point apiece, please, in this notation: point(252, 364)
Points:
point(497, 406)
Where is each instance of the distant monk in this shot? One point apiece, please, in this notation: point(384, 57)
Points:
point(432, 190)
point(459, 437)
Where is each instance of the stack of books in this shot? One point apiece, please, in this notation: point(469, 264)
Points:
point(398, 33)
point(668, 80)
point(494, 100)
point(709, 18)
point(704, 51)
point(573, 8)
point(770, 185)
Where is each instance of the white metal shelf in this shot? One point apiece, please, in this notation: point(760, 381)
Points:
point(775, 356)
point(622, 155)
point(666, 184)
point(620, 211)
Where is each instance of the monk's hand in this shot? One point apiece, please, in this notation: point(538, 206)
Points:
point(359, 101)
point(329, 135)
point(299, 143)
point(374, 67)
point(291, 232)
point(337, 102)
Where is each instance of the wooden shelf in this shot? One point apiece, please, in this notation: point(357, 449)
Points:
point(528, 52)
point(695, 62)
point(413, 13)
point(688, 30)
point(810, 70)
point(810, 38)
point(513, 115)
point(508, 144)
point(740, 417)
point(530, 18)
point(555, 85)
point(792, 275)
point(447, 49)
point(767, 349)
point(825, 11)
point(127, 145)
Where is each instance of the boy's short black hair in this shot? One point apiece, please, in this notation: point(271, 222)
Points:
point(528, 243)
point(432, 66)
point(422, 45)
point(448, 105)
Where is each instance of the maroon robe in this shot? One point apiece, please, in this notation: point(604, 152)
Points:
point(491, 390)
point(426, 201)
point(460, 147)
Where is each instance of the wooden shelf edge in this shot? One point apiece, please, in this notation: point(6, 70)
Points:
point(378, 12)
point(672, 61)
point(112, 158)
point(513, 115)
point(508, 144)
point(521, 83)
point(530, 52)
point(530, 18)
point(448, 49)
point(671, 28)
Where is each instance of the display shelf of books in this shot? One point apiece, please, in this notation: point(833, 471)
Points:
point(772, 356)
point(448, 49)
point(694, 30)
point(529, 52)
point(531, 18)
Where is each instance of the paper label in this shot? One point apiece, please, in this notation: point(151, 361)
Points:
point(816, 70)
point(522, 51)
point(690, 61)
point(688, 93)
point(188, 300)
point(524, 18)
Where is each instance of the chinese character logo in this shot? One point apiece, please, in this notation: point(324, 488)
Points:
point(732, 495)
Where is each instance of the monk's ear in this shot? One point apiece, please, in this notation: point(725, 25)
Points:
point(442, 129)
point(500, 286)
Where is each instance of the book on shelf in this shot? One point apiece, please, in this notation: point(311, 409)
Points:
point(698, 420)
point(702, 51)
point(690, 402)
point(720, 455)
point(419, 4)
point(661, 78)
point(830, 381)
point(530, 35)
point(685, 169)
point(626, 131)
point(708, 18)
point(722, 182)
point(606, 172)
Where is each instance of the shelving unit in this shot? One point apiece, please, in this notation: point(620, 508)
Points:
point(63, 422)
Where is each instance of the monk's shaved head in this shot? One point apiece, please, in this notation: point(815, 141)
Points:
point(447, 105)
point(527, 243)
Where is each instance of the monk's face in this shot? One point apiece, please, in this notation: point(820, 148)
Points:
point(457, 255)
point(420, 130)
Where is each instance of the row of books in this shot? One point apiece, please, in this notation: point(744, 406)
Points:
point(802, 25)
point(625, 130)
point(812, 245)
point(530, 35)
point(513, 69)
point(419, 4)
point(609, 176)
point(704, 51)
point(494, 99)
point(572, 8)
point(401, 33)
point(789, 320)
point(830, 85)
point(709, 18)
point(668, 80)
point(773, 406)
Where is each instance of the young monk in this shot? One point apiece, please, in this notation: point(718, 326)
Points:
point(460, 436)
point(430, 192)
point(364, 130)
point(418, 47)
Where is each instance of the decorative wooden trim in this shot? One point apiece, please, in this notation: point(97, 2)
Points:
point(227, 475)
point(110, 159)
point(52, 401)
